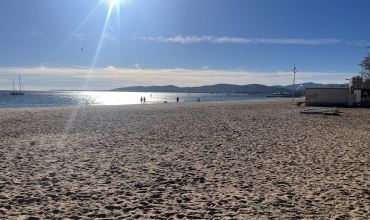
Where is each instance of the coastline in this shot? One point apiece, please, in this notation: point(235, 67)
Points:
point(65, 99)
point(255, 159)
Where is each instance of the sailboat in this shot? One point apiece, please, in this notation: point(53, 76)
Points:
point(20, 88)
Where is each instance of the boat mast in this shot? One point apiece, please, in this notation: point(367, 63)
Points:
point(13, 86)
point(22, 85)
point(20, 88)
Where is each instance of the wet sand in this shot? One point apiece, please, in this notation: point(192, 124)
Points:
point(220, 160)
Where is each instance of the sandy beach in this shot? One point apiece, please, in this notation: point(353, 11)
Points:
point(220, 160)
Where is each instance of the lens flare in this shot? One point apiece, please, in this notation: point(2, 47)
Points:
point(114, 2)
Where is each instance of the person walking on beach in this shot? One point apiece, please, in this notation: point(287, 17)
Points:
point(144, 100)
point(198, 100)
point(141, 100)
point(177, 99)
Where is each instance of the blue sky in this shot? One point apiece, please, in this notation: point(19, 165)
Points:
point(180, 42)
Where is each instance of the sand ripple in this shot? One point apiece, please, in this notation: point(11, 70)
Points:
point(227, 160)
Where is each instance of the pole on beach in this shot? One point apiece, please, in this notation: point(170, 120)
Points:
point(294, 71)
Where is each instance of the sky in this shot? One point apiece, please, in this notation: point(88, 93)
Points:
point(179, 42)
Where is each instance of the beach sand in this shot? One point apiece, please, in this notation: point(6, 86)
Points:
point(219, 160)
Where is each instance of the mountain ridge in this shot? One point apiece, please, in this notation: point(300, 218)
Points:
point(223, 88)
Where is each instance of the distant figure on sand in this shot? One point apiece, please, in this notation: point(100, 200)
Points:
point(198, 100)
point(144, 99)
point(141, 99)
point(177, 99)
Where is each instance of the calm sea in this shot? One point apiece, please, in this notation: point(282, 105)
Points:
point(92, 98)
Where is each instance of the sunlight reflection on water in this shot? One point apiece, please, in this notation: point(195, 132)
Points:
point(69, 98)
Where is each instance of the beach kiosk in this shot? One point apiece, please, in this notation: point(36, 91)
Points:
point(330, 96)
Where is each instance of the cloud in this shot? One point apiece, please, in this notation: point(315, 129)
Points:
point(111, 28)
point(46, 78)
point(109, 37)
point(188, 39)
point(35, 33)
point(360, 43)
point(211, 39)
point(205, 67)
point(137, 66)
point(79, 36)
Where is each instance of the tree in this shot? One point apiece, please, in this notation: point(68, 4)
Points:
point(365, 73)
point(366, 83)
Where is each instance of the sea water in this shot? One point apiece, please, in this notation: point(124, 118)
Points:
point(93, 98)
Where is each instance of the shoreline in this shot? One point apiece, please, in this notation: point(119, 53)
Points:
point(208, 160)
point(168, 103)
point(104, 99)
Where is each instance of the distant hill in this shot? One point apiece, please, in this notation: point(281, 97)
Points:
point(224, 88)
point(310, 85)
point(219, 88)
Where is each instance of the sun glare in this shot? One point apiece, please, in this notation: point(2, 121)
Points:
point(114, 2)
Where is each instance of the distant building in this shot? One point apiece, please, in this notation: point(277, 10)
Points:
point(365, 96)
point(355, 82)
point(351, 95)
